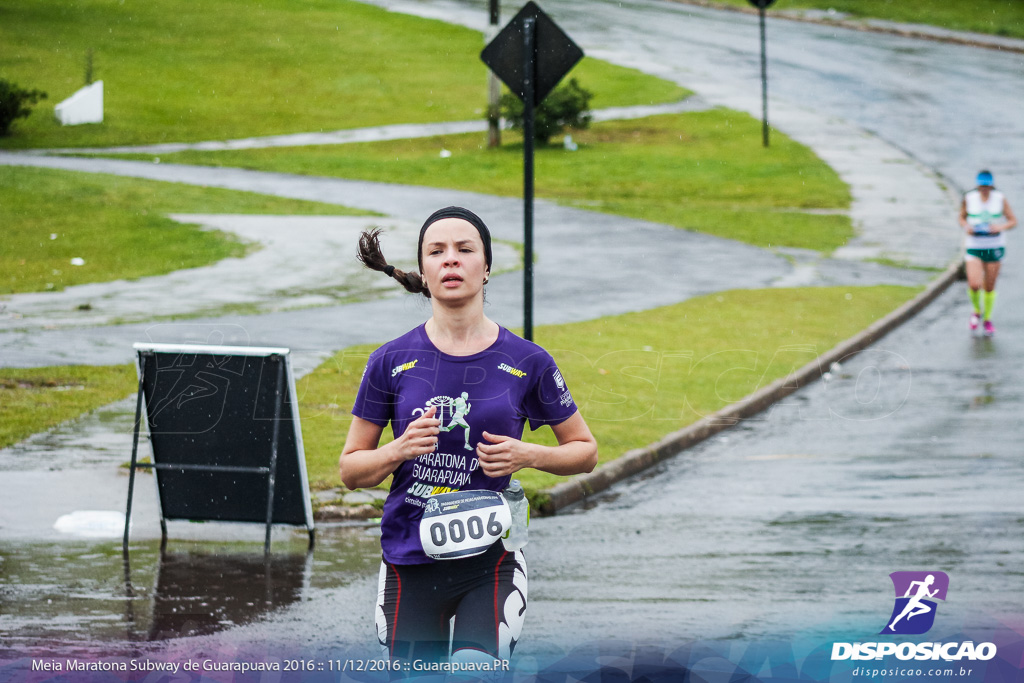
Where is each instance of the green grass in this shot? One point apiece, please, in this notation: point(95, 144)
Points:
point(898, 263)
point(639, 376)
point(37, 399)
point(635, 377)
point(703, 171)
point(217, 69)
point(118, 226)
point(998, 17)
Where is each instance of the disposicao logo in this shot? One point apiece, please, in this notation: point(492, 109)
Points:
point(913, 614)
point(916, 595)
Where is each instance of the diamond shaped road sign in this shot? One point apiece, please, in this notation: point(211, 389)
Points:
point(556, 53)
point(762, 4)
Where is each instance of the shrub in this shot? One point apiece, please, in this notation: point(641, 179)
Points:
point(567, 106)
point(15, 103)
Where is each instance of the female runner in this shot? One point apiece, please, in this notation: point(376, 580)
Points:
point(459, 369)
point(985, 216)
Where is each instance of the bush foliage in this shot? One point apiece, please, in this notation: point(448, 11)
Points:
point(15, 103)
point(567, 106)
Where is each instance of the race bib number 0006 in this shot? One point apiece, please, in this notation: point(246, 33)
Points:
point(463, 523)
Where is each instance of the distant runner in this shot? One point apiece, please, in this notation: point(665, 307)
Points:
point(985, 216)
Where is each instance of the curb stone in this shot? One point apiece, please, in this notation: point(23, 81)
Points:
point(635, 461)
point(345, 513)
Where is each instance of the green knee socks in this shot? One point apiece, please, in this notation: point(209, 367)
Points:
point(990, 303)
point(975, 295)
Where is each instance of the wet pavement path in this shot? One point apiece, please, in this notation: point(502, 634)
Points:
point(310, 258)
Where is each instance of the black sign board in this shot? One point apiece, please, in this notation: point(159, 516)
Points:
point(555, 53)
point(224, 428)
point(762, 4)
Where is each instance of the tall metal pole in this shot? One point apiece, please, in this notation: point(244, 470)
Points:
point(493, 85)
point(764, 83)
point(529, 31)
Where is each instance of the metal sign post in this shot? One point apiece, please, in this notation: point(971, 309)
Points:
point(529, 28)
point(493, 84)
point(530, 55)
point(761, 6)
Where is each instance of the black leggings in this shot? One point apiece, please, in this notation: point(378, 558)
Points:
point(486, 594)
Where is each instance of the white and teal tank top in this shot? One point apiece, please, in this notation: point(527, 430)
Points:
point(980, 214)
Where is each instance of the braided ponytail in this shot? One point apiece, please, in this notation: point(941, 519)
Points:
point(370, 255)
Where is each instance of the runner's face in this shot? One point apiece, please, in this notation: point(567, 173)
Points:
point(454, 266)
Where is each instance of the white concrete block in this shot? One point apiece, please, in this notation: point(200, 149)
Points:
point(85, 106)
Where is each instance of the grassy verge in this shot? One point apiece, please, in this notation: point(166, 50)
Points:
point(703, 171)
point(221, 69)
point(998, 17)
point(639, 376)
point(37, 399)
point(117, 226)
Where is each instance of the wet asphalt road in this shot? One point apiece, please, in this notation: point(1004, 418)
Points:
point(908, 458)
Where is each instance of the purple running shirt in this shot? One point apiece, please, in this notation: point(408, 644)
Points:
point(496, 390)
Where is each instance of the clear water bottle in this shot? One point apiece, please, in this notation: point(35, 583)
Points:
point(515, 538)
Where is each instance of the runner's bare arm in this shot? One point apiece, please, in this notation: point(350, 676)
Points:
point(575, 453)
point(363, 464)
point(1011, 219)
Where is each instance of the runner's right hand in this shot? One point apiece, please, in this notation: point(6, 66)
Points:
point(420, 437)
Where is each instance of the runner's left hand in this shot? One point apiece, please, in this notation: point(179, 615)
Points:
point(502, 456)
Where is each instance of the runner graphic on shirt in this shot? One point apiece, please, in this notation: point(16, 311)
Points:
point(459, 409)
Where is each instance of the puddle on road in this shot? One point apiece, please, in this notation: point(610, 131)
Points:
point(79, 595)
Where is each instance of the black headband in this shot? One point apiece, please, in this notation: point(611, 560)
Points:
point(464, 214)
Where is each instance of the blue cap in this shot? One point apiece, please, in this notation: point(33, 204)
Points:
point(985, 179)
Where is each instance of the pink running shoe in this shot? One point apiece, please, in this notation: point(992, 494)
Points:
point(972, 322)
point(990, 329)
